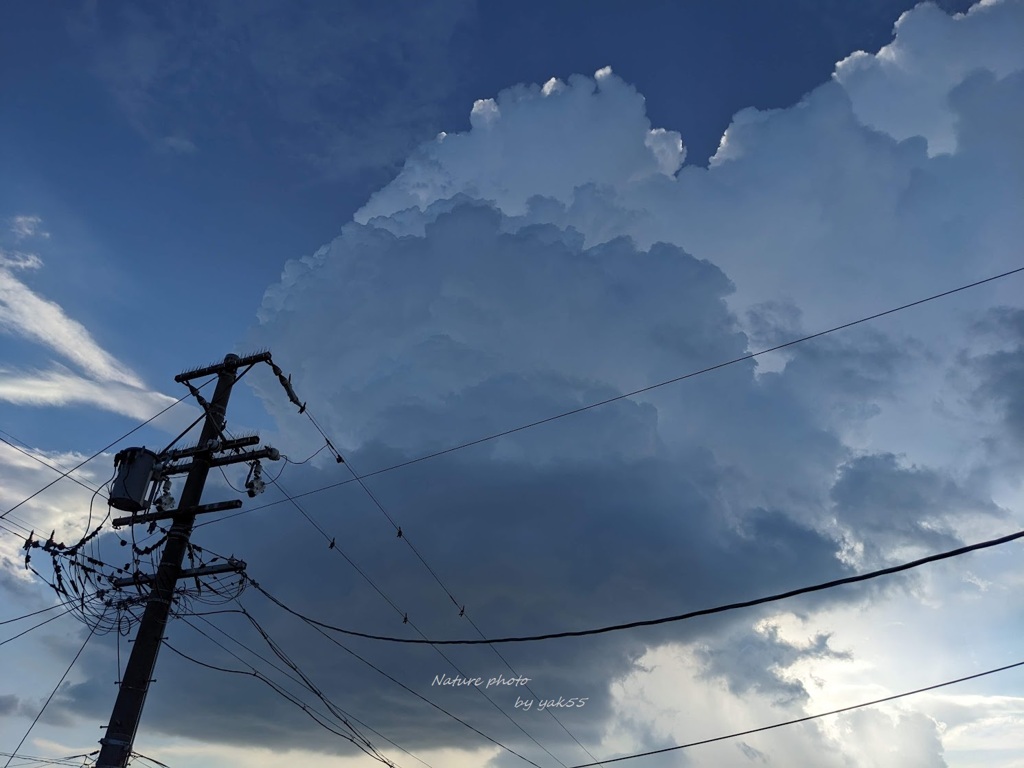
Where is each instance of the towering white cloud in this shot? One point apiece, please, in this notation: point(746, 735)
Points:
point(537, 141)
point(904, 89)
point(559, 253)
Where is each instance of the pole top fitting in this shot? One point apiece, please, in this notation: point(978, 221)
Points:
point(231, 362)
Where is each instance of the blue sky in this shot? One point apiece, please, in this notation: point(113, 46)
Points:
point(448, 219)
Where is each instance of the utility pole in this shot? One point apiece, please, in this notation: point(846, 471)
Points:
point(116, 746)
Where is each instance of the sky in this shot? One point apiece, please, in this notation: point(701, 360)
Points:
point(450, 220)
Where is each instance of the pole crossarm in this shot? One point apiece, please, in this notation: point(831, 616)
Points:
point(225, 445)
point(222, 461)
point(231, 566)
point(209, 370)
point(217, 506)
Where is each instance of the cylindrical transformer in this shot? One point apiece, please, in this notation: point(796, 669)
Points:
point(134, 470)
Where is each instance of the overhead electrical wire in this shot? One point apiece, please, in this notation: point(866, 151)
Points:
point(72, 760)
point(404, 536)
point(56, 468)
point(37, 626)
point(50, 697)
point(626, 395)
point(356, 738)
point(804, 719)
point(263, 632)
point(422, 698)
point(332, 544)
point(664, 619)
point(138, 756)
point(30, 615)
point(253, 672)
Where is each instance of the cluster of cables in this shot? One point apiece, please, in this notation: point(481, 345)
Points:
point(90, 582)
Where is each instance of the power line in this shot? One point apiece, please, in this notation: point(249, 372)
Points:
point(641, 390)
point(65, 473)
point(29, 615)
point(73, 760)
point(315, 716)
point(462, 608)
point(402, 685)
point(356, 738)
point(804, 719)
point(37, 626)
point(332, 544)
point(50, 697)
point(263, 632)
point(666, 619)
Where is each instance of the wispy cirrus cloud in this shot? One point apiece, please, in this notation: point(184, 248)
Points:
point(105, 381)
point(25, 313)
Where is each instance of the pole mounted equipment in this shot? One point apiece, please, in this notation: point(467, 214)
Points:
point(137, 470)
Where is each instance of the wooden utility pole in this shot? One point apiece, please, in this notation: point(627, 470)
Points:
point(116, 745)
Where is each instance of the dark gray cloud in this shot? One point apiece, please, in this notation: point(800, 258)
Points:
point(753, 755)
point(1001, 371)
point(756, 662)
point(8, 704)
point(888, 507)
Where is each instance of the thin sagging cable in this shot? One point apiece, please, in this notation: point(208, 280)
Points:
point(37, 626)
point(355, 737)
point(402, 685)
point(138, 756)
point(709, 369)
point(339, 458)
point(74, 760)
point(55, 467)
point(30, 615)
point(804, 719)
point(678, 617)
point(309, 458)
point(50, 697)
point(397, 528)
point(81, 464)
point(279, 652)
point(258, 655)
point(332, 544)
point(312, 714)
point(304, 679)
